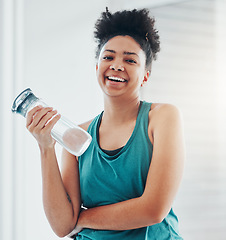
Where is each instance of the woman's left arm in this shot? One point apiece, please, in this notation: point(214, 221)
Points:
point(162, 183)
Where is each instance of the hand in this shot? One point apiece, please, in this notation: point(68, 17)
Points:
point(76, 230)
point(40, 121)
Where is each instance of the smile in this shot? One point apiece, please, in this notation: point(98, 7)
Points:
point(116, 79)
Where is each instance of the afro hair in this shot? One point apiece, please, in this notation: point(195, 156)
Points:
point(135, 23)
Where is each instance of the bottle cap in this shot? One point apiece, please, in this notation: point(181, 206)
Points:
point(22, 101)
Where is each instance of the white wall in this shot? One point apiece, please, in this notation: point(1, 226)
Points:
point(221, 76)
point(11, 167)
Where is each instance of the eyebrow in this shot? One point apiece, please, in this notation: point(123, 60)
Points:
point(125, 52)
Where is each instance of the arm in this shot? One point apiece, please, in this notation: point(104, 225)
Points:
point(61, 210)
point(162, 183)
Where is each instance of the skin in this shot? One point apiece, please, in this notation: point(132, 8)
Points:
point(123, 58)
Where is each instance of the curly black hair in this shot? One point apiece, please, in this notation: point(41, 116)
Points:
point(135, 23)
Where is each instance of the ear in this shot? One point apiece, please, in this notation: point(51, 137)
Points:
point(146, 76)
point(96, 67)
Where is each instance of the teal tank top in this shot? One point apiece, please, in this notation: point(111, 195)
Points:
point(107, 179)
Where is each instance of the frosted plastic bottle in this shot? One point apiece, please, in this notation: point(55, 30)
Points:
point(70, 136)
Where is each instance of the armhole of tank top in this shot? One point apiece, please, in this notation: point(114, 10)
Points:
point(148, 122)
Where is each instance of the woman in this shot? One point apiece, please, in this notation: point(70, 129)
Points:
point(129, 176)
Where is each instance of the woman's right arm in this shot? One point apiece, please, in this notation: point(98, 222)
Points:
point(61, 193)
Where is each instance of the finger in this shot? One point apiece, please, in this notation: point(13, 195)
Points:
point(37, 117)
point(46, 118)
point(31, 113)
point(52, 122)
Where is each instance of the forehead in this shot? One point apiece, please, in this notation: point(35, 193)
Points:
point(121, 44)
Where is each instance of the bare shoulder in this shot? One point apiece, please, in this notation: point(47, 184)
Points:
point(159, 110)
point(163, 115)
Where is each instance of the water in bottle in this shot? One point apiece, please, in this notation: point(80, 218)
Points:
point(69, 135)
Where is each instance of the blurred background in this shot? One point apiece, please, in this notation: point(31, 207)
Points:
point(49, 47)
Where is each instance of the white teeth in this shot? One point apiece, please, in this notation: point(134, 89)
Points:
point(117, 79)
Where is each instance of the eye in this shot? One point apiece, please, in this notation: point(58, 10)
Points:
point(107, 57)
point(130, 61)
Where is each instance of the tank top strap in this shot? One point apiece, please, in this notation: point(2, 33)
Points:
point(143, 122)
point(146, 106)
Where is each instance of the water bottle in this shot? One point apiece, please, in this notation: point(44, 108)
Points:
point(70, 136)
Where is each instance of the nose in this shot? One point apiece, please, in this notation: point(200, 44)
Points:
point(117, 68)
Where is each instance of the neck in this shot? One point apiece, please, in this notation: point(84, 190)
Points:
point(118, 111)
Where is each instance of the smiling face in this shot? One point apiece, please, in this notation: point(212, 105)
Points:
point(121, 67)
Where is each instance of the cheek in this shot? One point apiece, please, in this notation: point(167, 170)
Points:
point(139, 75)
